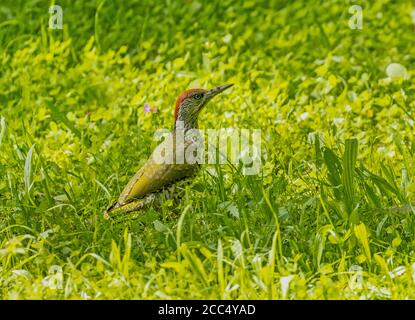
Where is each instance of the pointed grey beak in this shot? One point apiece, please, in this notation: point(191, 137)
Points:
point(213, 92)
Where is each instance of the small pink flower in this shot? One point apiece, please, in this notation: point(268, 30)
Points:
point(153, 110)
point(146, 108)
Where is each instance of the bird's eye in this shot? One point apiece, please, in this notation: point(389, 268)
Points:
point(198, 96)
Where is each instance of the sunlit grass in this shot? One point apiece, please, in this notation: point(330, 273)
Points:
point(328, 217)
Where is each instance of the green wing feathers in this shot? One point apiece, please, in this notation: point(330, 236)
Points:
point(152, 177)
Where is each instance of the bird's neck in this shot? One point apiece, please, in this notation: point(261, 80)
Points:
point(186, 124)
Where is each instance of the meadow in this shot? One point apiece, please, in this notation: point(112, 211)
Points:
point(330, 214)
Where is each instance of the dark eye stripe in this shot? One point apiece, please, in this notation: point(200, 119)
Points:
point(198, 96)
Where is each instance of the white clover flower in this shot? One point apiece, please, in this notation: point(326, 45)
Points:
point(303, 116)
point(396, 71)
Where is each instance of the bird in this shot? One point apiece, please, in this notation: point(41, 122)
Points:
point(156, 175)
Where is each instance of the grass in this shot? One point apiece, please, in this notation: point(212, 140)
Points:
point(328, 217)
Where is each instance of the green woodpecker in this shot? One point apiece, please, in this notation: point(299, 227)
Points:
point(156, 173)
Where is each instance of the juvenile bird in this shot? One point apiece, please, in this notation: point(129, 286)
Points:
point(156, 174)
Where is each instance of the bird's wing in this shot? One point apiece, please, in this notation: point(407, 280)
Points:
point(155, 174)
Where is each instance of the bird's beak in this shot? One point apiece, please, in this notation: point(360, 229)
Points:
point(213, 92)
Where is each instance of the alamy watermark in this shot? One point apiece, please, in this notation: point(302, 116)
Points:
point(211, 146)
point(56, 17)
point(356, 20)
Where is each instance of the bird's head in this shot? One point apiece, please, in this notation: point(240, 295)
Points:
point(192, 101)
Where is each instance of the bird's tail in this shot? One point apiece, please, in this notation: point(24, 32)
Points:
point(116, 209)
point(110, 208)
